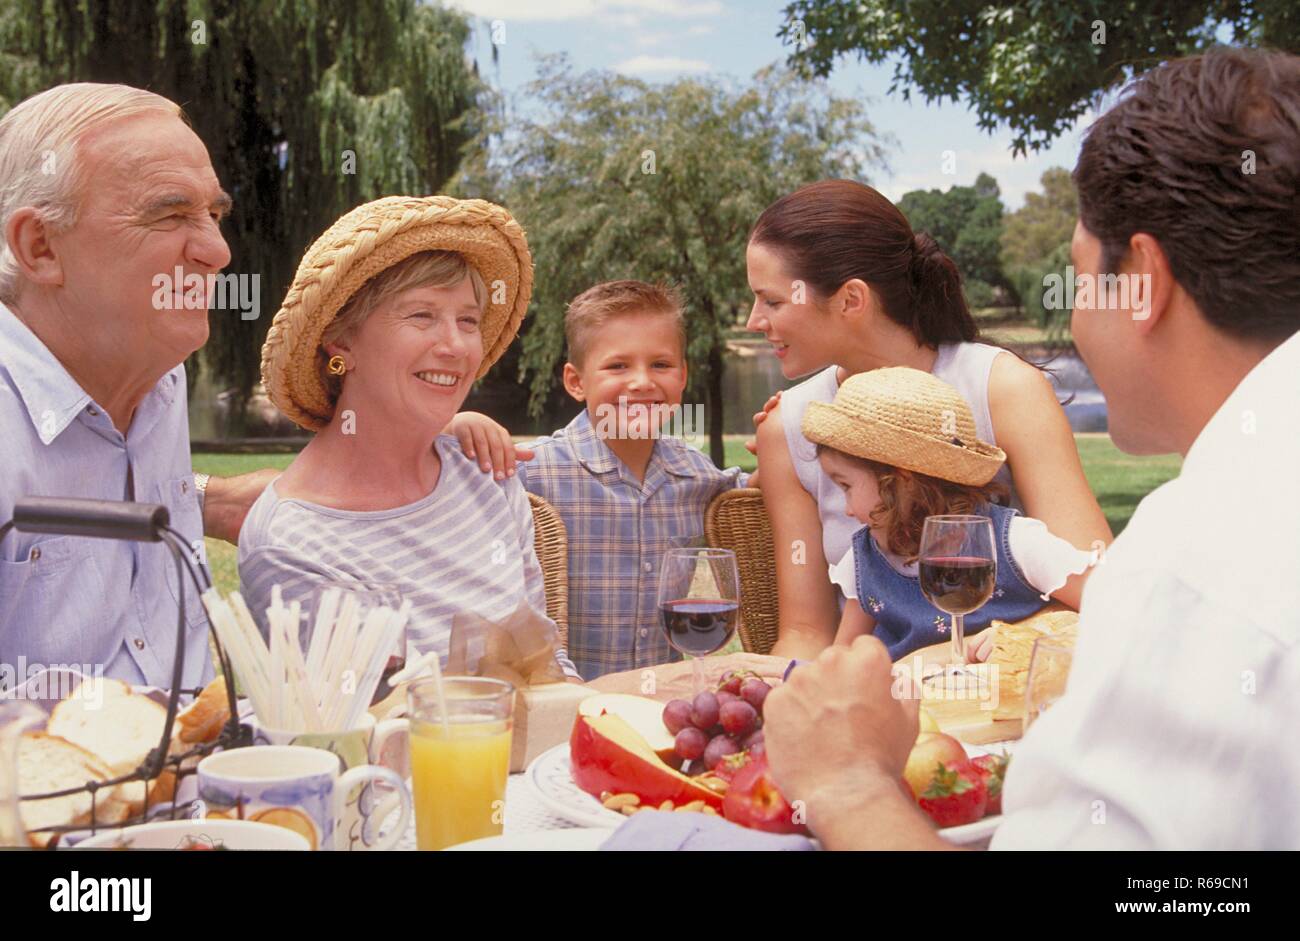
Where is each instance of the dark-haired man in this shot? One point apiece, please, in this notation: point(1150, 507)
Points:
point(1177, 730)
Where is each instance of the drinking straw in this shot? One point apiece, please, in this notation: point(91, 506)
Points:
point(326, 609)
point(442, 696)
point(274, 617)
point(229, 629)
point(389, 628)
point(413, 669)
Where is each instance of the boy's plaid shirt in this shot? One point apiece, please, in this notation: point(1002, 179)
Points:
point(618, 530)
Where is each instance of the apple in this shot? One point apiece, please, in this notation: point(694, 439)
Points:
point(927, 722)
point(607, 754)
point(644, 715)
point(931, 751)
point(754, 801)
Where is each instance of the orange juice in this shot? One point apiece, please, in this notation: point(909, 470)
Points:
point(458, 780)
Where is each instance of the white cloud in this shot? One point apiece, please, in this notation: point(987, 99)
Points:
point(640, 65)
point(558, 10)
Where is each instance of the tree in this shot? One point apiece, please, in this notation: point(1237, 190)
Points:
point(1033, 65)
point(1045, 221)
point(612, 177)
point(966, 221)
point(307, 109)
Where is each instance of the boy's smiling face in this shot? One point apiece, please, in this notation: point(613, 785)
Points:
point(632, 376)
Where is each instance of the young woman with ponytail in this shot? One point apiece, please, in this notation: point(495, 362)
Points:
point(843, 285)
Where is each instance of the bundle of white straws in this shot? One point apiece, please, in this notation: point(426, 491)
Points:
point(324, 689)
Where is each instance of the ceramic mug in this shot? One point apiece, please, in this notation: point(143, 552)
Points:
point(294, 786)
point(374, 743)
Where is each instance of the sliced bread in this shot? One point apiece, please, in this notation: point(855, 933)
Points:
point(48, 763)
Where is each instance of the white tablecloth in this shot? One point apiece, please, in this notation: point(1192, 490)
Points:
point(524, 813)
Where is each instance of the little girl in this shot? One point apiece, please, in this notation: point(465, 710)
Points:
point(902, 445)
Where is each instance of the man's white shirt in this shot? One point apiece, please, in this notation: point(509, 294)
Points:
point(1179, 726)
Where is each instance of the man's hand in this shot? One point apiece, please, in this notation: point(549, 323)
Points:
point(481, 437)
point(837, 736)
point(228, 500)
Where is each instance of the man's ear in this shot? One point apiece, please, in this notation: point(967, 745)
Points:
point(573, 382)
point(28, 239)
point(1151, 281)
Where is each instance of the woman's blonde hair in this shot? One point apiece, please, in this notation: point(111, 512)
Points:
point(423, 269)
point(39, 163)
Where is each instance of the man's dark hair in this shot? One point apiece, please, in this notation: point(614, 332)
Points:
point(1203, 153)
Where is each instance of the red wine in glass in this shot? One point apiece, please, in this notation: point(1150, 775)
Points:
point(958, 584)
point(958, 569)
point(699, 626)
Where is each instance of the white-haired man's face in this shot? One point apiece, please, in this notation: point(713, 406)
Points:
point(151, 205)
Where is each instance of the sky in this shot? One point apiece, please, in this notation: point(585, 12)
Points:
point(662, 40)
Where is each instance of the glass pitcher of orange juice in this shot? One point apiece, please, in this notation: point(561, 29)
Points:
point(460, 756)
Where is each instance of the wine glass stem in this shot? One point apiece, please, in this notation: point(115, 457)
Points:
point(697, 671)
point(958, 638)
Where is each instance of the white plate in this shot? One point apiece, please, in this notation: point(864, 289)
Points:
point(551, 778)
point(170, 834)
point(581, 839)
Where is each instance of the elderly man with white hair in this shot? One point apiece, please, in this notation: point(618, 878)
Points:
point(102, 189)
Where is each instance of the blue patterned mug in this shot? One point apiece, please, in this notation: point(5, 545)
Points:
point(293, 786)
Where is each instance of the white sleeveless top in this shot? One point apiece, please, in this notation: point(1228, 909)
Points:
point(965, 366)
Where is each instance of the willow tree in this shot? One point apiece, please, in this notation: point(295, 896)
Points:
point(616, 178)
point(307, 108)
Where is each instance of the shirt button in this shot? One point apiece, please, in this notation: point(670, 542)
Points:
point(648, 567)
point(91, 410)
point(36, 554)
point(139, 644)
point(644, 632)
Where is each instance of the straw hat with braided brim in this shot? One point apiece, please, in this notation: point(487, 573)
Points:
point(369, 239)
point(905, 418)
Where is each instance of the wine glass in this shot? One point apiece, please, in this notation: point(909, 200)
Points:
point(699, 600)
point(1049, 667)
point(958, 569)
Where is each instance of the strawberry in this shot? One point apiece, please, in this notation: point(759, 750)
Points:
point(956, 794)
point(994, 769)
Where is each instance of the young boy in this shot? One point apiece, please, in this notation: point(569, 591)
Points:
point(626, 490)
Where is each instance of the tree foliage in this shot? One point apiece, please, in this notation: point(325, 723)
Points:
point(307, 107)
point(1045, 221)
point(612, 177)
point(1035, 65)
point(966, 221)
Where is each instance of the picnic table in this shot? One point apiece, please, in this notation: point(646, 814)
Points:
point(526, 814)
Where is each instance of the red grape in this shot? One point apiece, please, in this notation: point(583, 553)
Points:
point(690, 743)
point(730, 682)
point(704, 711)
point(725, 697)
point(739, 717)
point(752, 739)
point(754, 691)
point(719, 748)
point(677, 715)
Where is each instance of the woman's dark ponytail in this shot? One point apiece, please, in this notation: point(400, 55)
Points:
point(939, 312)
point(831, 232)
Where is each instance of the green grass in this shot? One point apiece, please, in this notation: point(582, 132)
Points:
point(1119, 480)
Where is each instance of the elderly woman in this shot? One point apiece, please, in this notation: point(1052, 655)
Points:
point(393, 314)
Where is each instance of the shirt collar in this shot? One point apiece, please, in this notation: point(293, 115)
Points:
point(1267, 387)
point(53, 399)
point(597, 457)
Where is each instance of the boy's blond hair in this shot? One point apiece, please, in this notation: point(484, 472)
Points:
point(597, 305)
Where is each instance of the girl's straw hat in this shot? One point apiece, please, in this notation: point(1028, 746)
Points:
point(366, 241)
point(905, 418)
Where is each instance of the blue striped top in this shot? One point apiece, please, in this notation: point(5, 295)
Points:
point(466, 546)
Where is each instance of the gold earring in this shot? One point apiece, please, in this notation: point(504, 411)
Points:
point(336, 366)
